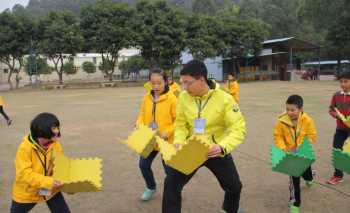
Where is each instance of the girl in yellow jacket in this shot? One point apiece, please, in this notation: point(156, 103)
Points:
point(291, 129)
point(232, 87)
point(34, 166)
point(174, 87)
point(158, 111)
point(2, 103)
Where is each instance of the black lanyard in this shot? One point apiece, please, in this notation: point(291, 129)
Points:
point(154, 107)
point(43, 163)
point(201, 107)
point(154, 111)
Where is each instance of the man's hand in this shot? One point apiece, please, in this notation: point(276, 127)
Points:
point(177, 146)
point(215, 151)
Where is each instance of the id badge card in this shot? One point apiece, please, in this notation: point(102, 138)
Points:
point(199, 125)
point(44, 192)
point(153, 126)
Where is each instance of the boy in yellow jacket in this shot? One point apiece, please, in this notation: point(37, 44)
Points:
point(34, 167)
point(2, 111)
point(158, 111)
point(291, 129)
point(232, 87)
point(203, 108)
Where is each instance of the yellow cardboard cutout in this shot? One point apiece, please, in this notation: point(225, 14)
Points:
point(78, 175)
point(188, 157)
point(346, 147)
point(142, 140)
point(345, 119)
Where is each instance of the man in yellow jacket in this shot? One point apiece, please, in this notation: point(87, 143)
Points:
point(205, 109)
point(232, 87)
point(34, 167)
point(291, 129)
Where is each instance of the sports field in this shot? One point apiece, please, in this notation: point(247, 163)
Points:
point(94, 121)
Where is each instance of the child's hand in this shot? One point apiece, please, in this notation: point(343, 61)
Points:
point(164, 136)
point(56, 185)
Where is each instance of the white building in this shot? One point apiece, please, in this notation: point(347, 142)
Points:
point(78, 60)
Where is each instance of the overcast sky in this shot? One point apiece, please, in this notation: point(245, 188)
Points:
point(4, 4)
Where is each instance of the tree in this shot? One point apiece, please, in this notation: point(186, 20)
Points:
point(59, 39)
point(107, 28)
point(89, 67)
point(201, 36)
point(339, 36)
point(69, 68)
point(15, 33)
point(161, 34)
point(132, 65)
point(205, 7)
point(241, 37)
point(42, 67)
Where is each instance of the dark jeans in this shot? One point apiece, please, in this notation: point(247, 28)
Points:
point(224, 170)
point(340, 137)
point(56, 204)
point(294, 187)
point(145, 165)
point(3, 113)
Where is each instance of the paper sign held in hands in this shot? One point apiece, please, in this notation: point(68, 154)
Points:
point(142, 140)
point(188, 157)
point(78, 175)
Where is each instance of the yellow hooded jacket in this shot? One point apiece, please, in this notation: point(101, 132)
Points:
point(224, 121)
point(30, 172)
point(174, 88)
point(165, 113)
point(288, 137)
point(233, 89)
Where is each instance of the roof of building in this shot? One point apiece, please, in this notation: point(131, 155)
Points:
point(291, 42)
point(330, 62)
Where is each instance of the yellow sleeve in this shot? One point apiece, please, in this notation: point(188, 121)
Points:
point(311, 132)
point(170, 129)
point(141, 117)
point(181, 126)
point(25, 173)
point(148, 86)
point(235, 91)
point(278, 136)
point(236, 130)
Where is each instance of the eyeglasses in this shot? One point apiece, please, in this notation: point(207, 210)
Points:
point(187, 83)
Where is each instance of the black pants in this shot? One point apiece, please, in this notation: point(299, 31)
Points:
point(145, 165)
point(224, 170)
point(3, 113)
point(294, 187)
point(340, 137)
point(56, 204)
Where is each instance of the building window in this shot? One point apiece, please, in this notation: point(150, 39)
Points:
point(6, 71)
point(264, 67)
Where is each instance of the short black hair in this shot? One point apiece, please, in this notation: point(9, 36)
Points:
point(195, 68)
point(344, 75)
point(41, 126)
point(295, 100)
point(161, 72)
